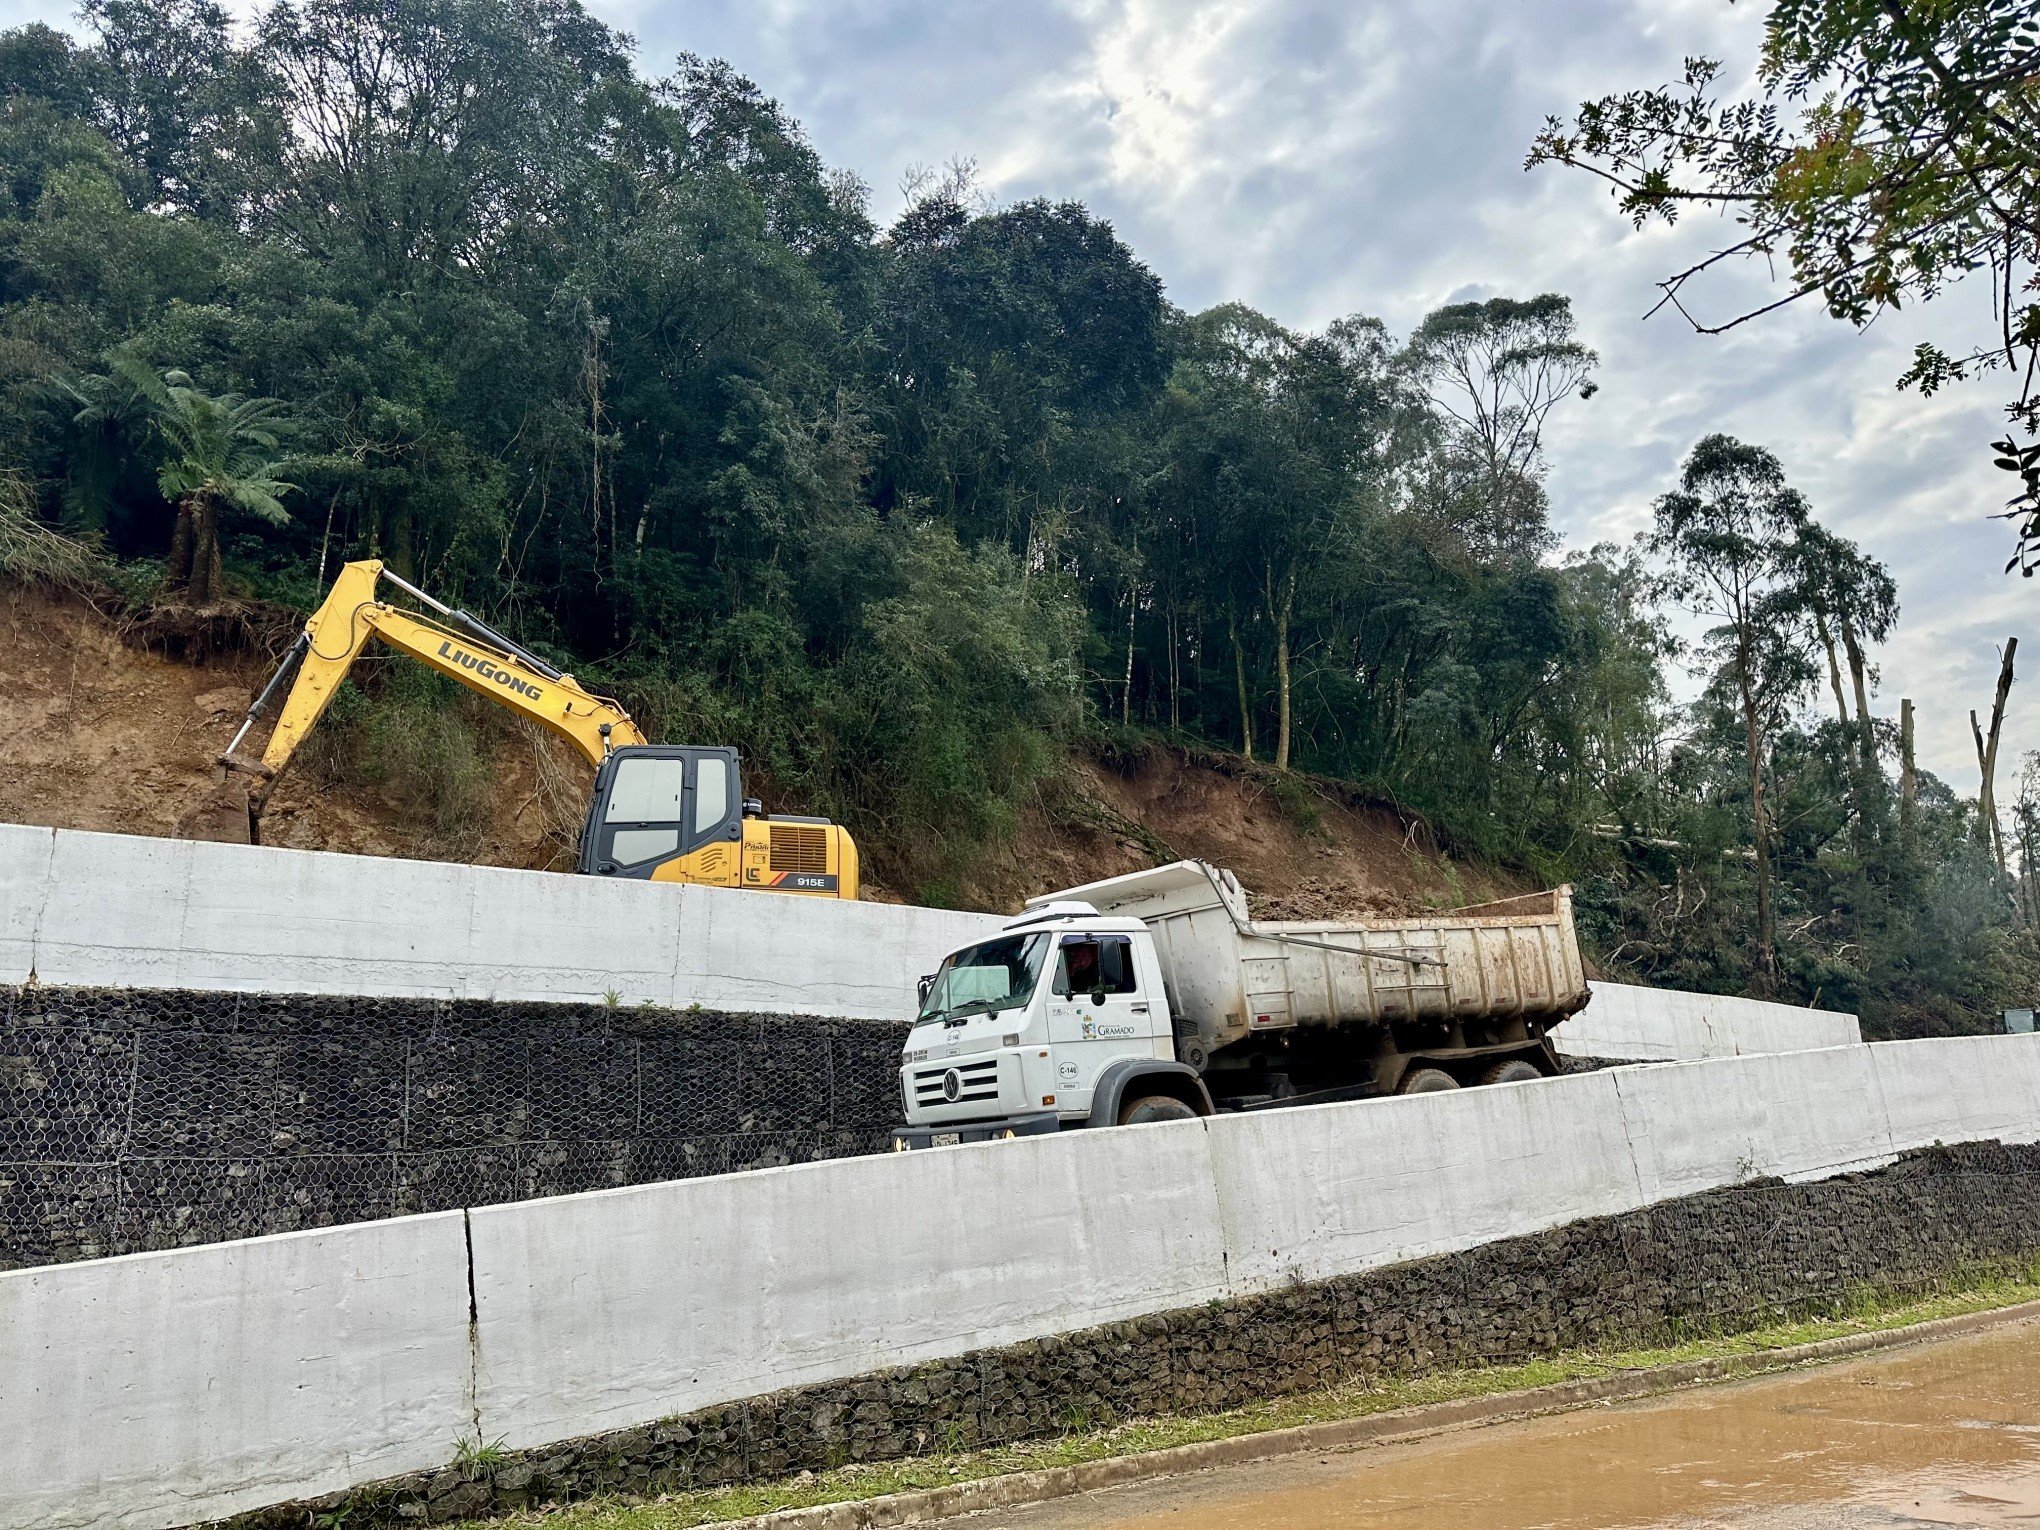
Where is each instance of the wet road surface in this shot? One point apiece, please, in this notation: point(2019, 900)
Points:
point(1945, 1434)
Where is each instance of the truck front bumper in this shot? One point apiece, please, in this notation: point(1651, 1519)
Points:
point(907, 1138)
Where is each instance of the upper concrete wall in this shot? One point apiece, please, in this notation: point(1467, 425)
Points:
point(1663, 1025)
point(161, 1389)
point(121, 911)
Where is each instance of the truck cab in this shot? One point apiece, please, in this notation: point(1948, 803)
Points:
point(1059, 1021)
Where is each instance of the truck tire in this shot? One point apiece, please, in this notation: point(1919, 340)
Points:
point(1514, 1071)
point(1427, 1081)
point(1154, 1107)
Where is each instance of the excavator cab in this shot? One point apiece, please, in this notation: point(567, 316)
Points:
point(658, 806)
point(677, 813)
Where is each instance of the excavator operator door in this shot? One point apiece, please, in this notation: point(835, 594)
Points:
point(666, 813)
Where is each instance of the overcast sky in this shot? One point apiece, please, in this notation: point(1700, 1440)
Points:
point(1322, 157)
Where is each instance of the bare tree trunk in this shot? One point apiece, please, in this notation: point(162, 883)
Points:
point(326, 537)
point(1239, 658)
point(1760, 829)
point(1908, 775)
point(591, 382)
point(1175, 670)
point(1827, 641)
point(1126, 690)
point(1986, 757)
point(1281, 614)
point(1859, 670)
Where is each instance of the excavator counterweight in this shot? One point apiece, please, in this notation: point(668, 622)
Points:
point(658, 812)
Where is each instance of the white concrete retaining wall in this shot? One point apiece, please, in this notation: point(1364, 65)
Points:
point(161, 1389)
point(1662, 1025)
point(158, 1389)
point(121, 911)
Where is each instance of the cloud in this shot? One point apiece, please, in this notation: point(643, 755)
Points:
point(1316, 158)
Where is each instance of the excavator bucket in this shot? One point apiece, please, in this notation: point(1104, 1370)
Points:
point(225, 814)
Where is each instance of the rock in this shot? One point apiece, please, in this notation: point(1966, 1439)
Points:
point(468, 1501)
point(227, 701)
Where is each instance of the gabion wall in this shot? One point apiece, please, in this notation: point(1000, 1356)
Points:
point(136, 1119)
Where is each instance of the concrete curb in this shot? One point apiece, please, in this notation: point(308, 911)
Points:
point(1021, 1488)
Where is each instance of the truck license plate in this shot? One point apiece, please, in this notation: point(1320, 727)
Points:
point(945, 1139)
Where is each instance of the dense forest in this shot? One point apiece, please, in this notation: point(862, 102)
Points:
point(909, 512)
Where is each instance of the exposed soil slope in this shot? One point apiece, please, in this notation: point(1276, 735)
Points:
point(1305, 849)
point(100, 731)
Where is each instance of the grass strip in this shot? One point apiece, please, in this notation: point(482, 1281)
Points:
point(1867, 1312)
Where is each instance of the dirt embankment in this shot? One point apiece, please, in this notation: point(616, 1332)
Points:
point(1305, 849)
point(101, 730)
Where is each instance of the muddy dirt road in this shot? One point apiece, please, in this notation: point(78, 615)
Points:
point(1946, 1434)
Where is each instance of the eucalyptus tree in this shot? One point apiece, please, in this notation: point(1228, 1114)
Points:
point(1728, 535)
point(1853, 601)
point(1494, 371)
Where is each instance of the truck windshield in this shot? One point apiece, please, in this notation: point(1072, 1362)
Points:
point(999, 974)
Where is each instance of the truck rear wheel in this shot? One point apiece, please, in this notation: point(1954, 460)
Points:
point(1155, 1107)
point(1514, 1071)
point(1427, 1081)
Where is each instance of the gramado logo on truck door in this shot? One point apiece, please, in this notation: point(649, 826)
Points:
point(489, 669)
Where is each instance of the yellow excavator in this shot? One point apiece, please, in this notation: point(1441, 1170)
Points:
point(659, 812)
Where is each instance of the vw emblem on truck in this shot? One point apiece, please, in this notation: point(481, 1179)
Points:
point(952, 1085)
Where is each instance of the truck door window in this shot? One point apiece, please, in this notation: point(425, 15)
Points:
point(1095, 964)
point(641, 820)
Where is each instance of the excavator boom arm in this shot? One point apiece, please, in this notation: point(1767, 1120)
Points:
point(339, 630)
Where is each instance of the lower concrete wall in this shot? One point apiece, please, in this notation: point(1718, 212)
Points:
point(1663, 1025)
point(167, 1388)
point(624, 1307)
point(1721, 1261)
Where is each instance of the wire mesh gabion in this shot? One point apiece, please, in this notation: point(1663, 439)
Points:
point(150, 1119)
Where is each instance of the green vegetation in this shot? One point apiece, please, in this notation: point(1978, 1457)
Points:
point(1887, 152)
point(478, 1459)
point(908, 512)
point(1862, 1312)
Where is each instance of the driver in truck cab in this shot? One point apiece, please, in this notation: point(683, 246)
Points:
point(1080, 968)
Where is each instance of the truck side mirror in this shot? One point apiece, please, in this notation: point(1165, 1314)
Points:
point(923, 984)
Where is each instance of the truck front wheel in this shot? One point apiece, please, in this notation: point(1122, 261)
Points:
point(1427, 1081)
point(1515, 1071)
point(1154, 1107)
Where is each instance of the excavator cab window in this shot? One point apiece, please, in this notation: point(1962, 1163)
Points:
point(653, 803)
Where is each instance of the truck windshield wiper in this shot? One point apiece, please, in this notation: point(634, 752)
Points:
point(974, 1007)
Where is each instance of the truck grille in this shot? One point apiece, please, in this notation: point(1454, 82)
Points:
point(800, 848)
point(977, 1080)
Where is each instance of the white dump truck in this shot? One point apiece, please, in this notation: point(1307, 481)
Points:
point(1157, 997)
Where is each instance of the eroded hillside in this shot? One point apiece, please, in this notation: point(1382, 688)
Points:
point(102, 729)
